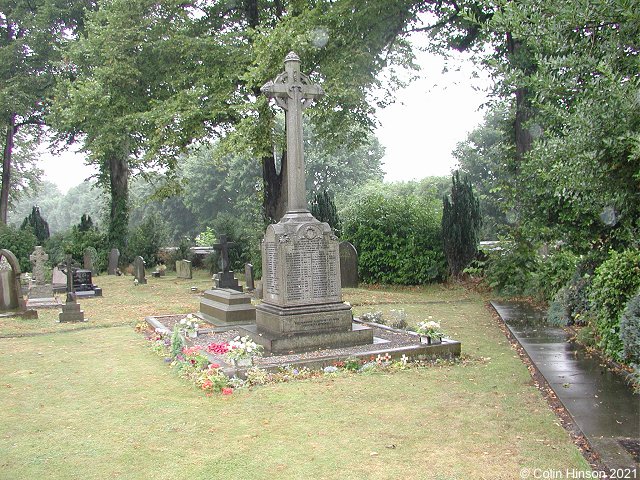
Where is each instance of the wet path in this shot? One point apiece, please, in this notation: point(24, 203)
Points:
point(602, 405)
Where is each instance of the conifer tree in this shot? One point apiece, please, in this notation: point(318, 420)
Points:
point(324, 209)
point(461, 223)
point(38, 224)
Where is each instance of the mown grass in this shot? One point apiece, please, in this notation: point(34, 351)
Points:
point(97, 403)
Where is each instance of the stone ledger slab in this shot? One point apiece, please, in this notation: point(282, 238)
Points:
point(226, 308)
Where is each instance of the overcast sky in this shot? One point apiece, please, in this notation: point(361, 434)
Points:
point(418, 131)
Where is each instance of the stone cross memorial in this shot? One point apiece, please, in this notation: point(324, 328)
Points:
point(41, 293)
point(71, 309)
point(225, 278)
point(302, 307)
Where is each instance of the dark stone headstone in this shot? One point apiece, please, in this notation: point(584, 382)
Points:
point(114, 260)
point(225, 278)
point(138, 270)
point(83, 284)
point(348, 265)
point(248, 277)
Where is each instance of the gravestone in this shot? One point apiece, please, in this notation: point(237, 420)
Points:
point(302, 307)
point(348, 265)
point(138, 270)
point(10, 294)
point(225, 278)
point(248, 277)
point(59, 280)
point(183, 269)
point(90, 259)
point(71, 311)
point(114, 260)
point(83, 284)
point(41, 292)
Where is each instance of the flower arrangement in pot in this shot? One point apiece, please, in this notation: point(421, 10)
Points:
point(189, 326)
point(242, 350)
point(431, 331)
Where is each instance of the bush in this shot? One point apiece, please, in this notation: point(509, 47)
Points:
point(630, 330)
point(75, 241)
point(552, 273)
point(397, 238)
point(509, 268)
point(614, 283)
point(146, 240)
point(20, 242)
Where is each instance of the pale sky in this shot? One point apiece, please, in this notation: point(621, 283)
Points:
point(418, 131)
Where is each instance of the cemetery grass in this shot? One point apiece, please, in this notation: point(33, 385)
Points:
point(97, 403)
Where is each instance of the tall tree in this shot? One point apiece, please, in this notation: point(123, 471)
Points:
point(30, 35)
point(460, 224)
point(164, 73)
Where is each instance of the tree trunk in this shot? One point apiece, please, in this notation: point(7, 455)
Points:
point(275, 188)
point(119, 190)
point(6, 168)
point(520, 59)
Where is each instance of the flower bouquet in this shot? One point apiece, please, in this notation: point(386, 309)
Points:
point(431, 331)
point(242, 350)
point(189, 326)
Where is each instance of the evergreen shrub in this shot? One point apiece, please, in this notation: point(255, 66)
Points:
point(614, 283)
point(398, 237)
point(21, 242)
point(630, 330)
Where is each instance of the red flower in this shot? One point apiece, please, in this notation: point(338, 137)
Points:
point(207, 384)
point(213, 366)
point(227, 391)
point(218, 348)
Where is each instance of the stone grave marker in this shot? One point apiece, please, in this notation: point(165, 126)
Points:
point(59, 280)
point(10, 294)
point(41, 292)
point(348, 265)
point(248, 277)
point(302, 307)
point(83, 284)
point(90, 259)
point(183, 269)
point(138, 270)
point(71, 311)
point(225, 278)
point(114, 261)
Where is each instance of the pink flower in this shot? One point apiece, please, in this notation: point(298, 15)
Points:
point(227, 391)
point(214, 366)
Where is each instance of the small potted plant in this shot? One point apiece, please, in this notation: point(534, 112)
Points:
point(430, 332)
point(242, 350)
point(189, 326)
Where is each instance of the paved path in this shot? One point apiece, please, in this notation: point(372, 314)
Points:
point(601, 404)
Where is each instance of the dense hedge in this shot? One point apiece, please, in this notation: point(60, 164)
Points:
point(614, 283)
point(21, 242)
point(630, 330)
point(398, 237)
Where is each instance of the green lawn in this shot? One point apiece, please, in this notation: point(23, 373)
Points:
point(97, 403)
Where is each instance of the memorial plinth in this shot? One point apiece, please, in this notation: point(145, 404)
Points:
point(226, 308)
point(302, 307)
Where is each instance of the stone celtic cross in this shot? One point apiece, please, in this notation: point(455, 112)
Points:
point(38, 259)
point(293, 91)
point(223, 247)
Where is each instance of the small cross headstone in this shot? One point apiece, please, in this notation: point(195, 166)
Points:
point(225, 278)
point(114, 260)
point(39, 259)
point(71, 309)
point(138, 270)
point(248, 277)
